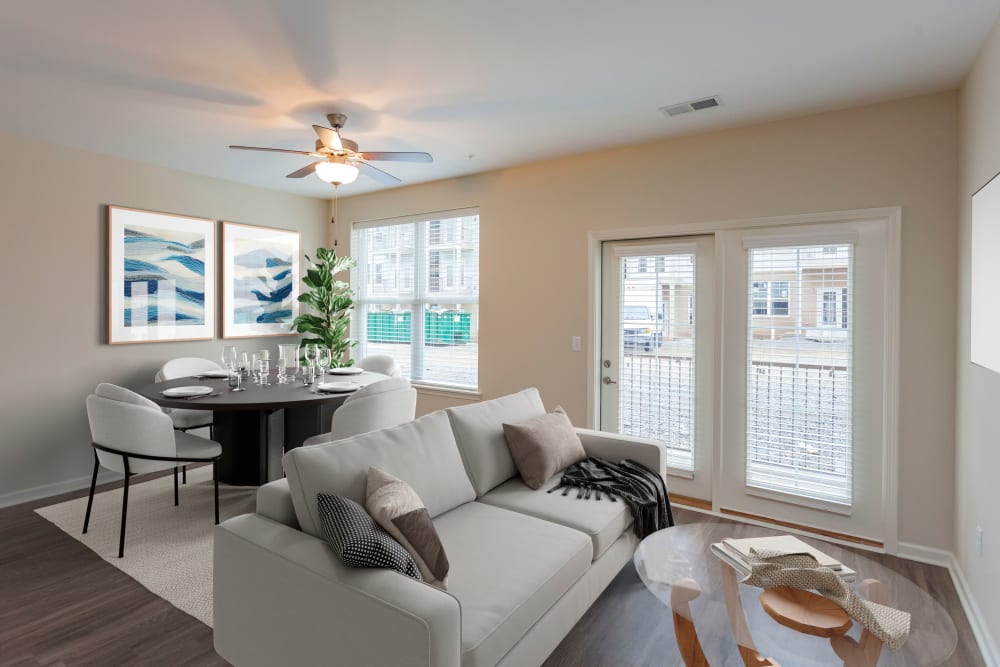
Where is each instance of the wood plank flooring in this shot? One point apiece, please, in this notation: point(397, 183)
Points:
point(61, 605)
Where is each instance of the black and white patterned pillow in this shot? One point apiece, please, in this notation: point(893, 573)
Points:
point(357, 540)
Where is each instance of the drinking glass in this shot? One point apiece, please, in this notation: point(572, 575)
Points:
point(264, 370)
point(323, 361)
point(307, 374)
point(244, 364)
point(229, 359)
point(254, 366)
point(288, 363)
point(235, 380)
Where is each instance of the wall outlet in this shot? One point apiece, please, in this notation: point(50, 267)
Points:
point(979, 541)
point(576, 344)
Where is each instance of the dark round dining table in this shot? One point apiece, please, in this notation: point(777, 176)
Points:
point(255, 427)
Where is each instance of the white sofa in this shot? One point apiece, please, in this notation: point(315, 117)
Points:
point(525, 565)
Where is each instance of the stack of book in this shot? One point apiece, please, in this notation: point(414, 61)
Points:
point(736, 552)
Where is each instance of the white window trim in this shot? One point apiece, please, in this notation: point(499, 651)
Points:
point(892, 215)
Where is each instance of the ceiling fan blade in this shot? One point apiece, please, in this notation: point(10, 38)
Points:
point(329, 137)
point(304, 171)
point(376, 173)
point(276, 150)
point(391, 156)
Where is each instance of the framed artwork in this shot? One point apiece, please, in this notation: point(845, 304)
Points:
point(161, 277)
point(260, 281)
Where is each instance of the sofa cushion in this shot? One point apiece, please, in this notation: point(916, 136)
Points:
point(399, 510)
point(479, 433)
point(542, 446)
point(358, 541)
point(602, 520)
point(507, 570)
point(421, 452)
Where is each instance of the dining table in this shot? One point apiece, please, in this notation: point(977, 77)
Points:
point(258, 425)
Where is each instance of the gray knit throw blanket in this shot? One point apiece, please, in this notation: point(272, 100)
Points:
point(642, 489)
point(770, 569)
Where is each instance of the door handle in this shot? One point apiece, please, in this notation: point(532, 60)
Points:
point(607, 380)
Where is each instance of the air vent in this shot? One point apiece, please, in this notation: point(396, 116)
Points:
point(688, 107)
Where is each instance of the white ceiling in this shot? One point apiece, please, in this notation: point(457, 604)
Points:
point(505, 82)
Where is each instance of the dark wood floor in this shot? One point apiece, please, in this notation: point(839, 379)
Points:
point(60, 604)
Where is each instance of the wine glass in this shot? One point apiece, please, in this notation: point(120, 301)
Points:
point(323, 361)
point(310, 354)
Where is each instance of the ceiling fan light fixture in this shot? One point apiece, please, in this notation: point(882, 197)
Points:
point(337, 173)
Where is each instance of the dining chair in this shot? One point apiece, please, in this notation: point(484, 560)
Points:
point(131, 435)
point(379, 405)
point(380, 363)
point(185, 420)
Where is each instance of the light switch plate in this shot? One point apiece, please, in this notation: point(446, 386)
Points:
point(577, 344)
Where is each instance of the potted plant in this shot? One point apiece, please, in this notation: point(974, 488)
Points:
point(331, 301)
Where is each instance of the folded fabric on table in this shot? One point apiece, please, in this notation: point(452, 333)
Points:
point(771, 569)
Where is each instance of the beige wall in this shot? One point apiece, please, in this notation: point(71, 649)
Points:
point(535, 221)
point(977, 459)
point(53, 216)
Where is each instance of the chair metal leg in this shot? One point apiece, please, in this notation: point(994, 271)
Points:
point(215, 479)
point(176, 494)
point(185, 470)
point(90, 499)
point(121, 538)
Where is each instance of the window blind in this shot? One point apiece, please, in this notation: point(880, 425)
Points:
point(656, 394)
point(800, 330)
point(417, 293)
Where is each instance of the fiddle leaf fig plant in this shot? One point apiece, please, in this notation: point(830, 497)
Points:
point(330, 301)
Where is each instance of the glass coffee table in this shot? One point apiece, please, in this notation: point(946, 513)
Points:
point(720, 622)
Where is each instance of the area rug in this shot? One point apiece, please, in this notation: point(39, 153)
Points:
point(167, 549)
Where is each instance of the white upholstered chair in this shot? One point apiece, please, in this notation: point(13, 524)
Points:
point(131, 435)
point(185, 420)
point(380, 363)
point(379, 405)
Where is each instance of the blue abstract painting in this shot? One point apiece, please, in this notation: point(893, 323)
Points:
point(163, 277)
point(262, 281)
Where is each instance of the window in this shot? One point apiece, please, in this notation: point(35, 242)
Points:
point(779, 298)
point(758, 294)
point(419, 303)
point(799, 419)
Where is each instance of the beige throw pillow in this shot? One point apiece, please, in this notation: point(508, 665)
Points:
point(396, 507)
point(542, 446)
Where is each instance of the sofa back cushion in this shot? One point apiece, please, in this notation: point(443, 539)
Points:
point(422, 453)
point(479, 431)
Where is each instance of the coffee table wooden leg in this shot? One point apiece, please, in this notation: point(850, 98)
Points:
point(738, 620)
point(866, 650)
point(681, 594)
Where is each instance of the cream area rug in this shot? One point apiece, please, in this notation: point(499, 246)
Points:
point(167, 549)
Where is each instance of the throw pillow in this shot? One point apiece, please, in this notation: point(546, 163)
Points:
point(357, 540)
point(543, 445)
point(398, 509)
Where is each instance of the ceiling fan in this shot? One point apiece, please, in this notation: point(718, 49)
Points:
point(340, 161)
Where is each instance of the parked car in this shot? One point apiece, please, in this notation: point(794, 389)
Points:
point(641, 328)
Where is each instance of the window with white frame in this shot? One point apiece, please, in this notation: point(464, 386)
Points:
point(417, 294)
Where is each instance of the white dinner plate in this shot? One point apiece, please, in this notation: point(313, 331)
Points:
point(350, 370)
point(221, 373)
point(337, 387)
point(185, 392)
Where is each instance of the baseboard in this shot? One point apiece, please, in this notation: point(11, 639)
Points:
point(922, 554)
point(987, 646)
point(56, 488)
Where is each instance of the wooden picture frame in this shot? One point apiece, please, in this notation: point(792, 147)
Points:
point(161, 277)
point(261, 273)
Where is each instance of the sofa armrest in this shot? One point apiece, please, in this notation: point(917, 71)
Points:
point(617, 447)
point(282, 597)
